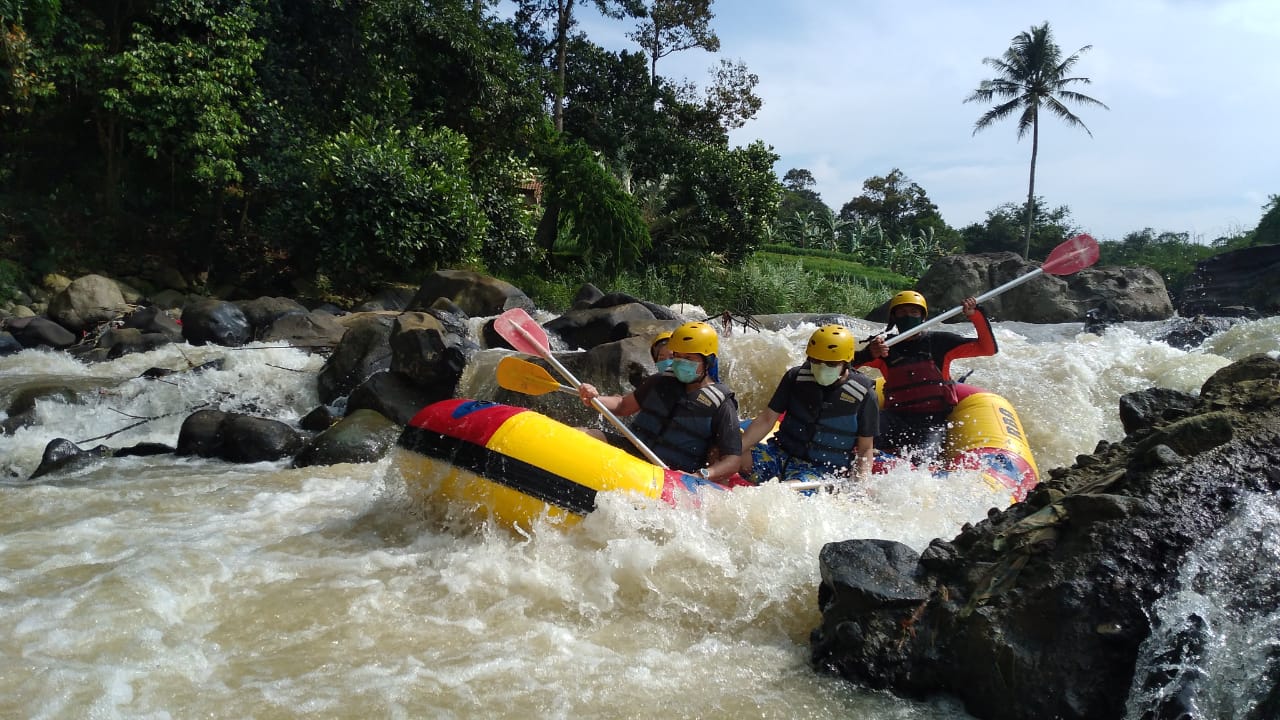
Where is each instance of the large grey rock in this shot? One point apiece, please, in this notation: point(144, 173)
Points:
point(87, 301)
point(261, 312)
point(588, 328)
point(363, 436)
point(205, 320)
point(1234, 282)
point(309, 330)
point(478, 295)
point(1137, 293)
point(1040, 610)
point(394, 396)
point(9, 344)
point(237, 437)
point(427, 348)
point(39, 331)
point(363, 350)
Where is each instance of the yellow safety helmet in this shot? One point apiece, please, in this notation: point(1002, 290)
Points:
point(908, 297)
point(661, 337)
point(695, 337)
point(831, 343)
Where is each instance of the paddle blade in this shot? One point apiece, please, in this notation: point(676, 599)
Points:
point(522, 332)
point(525, 377)
point(1072, 256)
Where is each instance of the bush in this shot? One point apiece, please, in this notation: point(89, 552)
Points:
point(11, 278)
point(381, 203)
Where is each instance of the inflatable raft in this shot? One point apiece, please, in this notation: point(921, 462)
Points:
point(985, 434)
point(517, 465)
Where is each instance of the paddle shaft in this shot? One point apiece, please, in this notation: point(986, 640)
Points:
point(595, 401)
point(960, 308)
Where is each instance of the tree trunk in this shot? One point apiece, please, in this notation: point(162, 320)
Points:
point(564, 14)
point(1031, 183)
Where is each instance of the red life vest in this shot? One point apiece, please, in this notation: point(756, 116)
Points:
point(918, 387)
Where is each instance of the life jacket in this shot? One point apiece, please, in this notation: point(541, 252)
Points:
point(676, 424)
point(915, 384)
point(818, 429)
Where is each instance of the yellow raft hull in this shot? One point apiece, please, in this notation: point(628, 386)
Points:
point(517, 466)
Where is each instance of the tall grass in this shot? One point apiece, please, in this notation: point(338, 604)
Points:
point(765, 284)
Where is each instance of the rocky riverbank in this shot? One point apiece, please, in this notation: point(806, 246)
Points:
point(1039, 611)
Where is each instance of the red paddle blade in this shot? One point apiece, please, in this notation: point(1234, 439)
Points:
point(523, 332)
point(1072, 256)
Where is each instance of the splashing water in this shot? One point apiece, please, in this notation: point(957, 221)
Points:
point(177, 587)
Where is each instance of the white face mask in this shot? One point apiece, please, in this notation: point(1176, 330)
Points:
point(825, 374)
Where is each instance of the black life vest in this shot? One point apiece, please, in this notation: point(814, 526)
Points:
point(821, 424)
point(915, 384)
point(677, 424)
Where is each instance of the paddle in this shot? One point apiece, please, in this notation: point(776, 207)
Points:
point(524, 377)
point(525, 335)
point(1072, 256)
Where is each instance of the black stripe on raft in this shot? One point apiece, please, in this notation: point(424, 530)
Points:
point(516, 474)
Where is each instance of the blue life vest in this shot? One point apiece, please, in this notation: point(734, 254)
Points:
point(677, 425)
point(821, 423)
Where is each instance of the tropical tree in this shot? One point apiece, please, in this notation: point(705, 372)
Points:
point(1001, 231)
point(670, 26)
point(1032, 74)
point(901, 207)
point(799, 199)
point(531, 15)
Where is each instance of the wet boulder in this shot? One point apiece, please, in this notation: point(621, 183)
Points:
point(363, 436)
point(588, 328)
point(1041, 610)
point(364, 349)
point(307, 330)
point(430, 348)
point(153, 320)
point(237, 437)
point(62, 456)
point(261, 312)
point(1143, 409)
point(395, 396)
point(39, 331)
point(9, 344)
point(209, 321)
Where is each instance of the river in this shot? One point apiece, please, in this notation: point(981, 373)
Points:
point(165, 587)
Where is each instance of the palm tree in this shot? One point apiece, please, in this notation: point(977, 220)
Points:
point(1032, 74)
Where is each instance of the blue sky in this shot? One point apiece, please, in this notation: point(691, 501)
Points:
point(855, 88)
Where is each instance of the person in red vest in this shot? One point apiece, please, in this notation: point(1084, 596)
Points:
point(918, 390)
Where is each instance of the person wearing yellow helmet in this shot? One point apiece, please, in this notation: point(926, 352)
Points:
point(918, 390)
point(684, 414)
point(659, 351)
point(829, 417)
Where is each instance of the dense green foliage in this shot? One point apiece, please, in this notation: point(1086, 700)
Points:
point(1004, 230)
point(268, 145)
point(344, 142)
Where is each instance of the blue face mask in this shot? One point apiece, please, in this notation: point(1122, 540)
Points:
point(686, 371)
point(663, 365)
